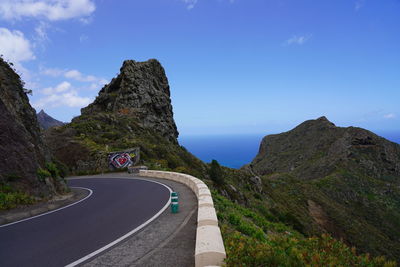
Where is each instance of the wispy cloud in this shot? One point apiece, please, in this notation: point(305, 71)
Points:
point(74, 75)
point(298, 39)
point(64, 94)
point(389, 116)
point(52, 10)
point(190, 3)
point(359, 4)
point(83, 38)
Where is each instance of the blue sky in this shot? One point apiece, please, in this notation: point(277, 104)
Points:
point(234, 66)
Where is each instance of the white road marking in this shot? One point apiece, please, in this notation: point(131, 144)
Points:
point(49, 212)
point(81, 260)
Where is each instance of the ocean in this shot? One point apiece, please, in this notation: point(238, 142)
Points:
point(234, 151)
point(229, 150)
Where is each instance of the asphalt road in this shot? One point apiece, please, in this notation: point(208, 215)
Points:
point(116, 207)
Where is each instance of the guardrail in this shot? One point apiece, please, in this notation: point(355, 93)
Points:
point(210, 250)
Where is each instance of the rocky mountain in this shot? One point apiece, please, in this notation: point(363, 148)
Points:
point(141, 91)
point(344, 181)
point(46, 121)
point(21, 145)
point(133, 110)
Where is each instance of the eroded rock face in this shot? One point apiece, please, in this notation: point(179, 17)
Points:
point(140, 90)
point(21, 146)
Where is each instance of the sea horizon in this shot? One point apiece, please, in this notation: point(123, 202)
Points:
point(237, 150)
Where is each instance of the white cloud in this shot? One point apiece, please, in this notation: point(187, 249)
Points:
point(49, 9)
point(54, 72)
point(74, 75)
point(61, 95)
point(190, 3)
point(389, 116)
point(298, 40)
point(14, 46)
point(62, 87)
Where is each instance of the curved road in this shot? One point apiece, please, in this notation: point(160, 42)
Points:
point(116, 207)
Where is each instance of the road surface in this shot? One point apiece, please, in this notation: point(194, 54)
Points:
point(116, 207)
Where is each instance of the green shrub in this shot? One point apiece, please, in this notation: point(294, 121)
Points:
point(283, 250)
point(216, 173)
point(52, 168)
point(62, 169)
point(42, 174)
point(11, 198)
point(234, 219)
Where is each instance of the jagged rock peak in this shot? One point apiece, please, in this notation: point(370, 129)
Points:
point(323, 118)
point(140, 90)
point(320, 123)
point(46, 121)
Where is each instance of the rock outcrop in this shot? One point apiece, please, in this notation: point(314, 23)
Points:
point(21, 146)
point(46, 121)
point(133, 110)
point(140, 90)
point(344, 181)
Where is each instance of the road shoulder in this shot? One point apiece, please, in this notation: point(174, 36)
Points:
point(21, 213)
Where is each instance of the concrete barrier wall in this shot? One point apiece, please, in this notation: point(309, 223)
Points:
point(210, 250)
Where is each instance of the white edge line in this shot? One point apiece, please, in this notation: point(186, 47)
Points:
point(81, 260)
point(46, 213)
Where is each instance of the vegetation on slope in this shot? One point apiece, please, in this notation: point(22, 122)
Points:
point(342, 181)
point(14, 192)
point(262, 224)
point(257, 232)
point(83, 144)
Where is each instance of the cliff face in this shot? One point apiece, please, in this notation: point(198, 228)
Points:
point(141, 90)
point(21, 146)
point(46, 121)
point(345, 181)
point(133, 110)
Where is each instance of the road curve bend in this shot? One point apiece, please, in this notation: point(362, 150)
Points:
point(117, 207)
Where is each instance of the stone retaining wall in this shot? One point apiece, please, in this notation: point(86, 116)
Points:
point(210, 250)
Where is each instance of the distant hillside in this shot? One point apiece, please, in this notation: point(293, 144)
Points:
point(46, 121)
point(344, 181)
